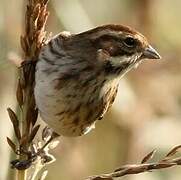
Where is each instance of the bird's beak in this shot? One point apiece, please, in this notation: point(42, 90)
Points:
point(150, 53)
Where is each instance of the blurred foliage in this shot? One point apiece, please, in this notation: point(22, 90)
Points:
point(147, 111)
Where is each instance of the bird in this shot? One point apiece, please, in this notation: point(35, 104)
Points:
point(77, 75)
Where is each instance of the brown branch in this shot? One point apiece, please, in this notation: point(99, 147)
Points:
point(166, 162)
point(24, 126)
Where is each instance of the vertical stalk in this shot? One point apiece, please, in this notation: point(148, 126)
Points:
point(21, 175)
point(32, 40)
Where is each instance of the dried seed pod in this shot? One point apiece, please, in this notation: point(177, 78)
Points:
point(46, 133)
point(34, 116)
point(22, 79)
point(36, 12)
point(23, 140)
point(23, 43)
point(47, 158)
point(13, 117)
point(173, 151)
point(28, 120)
point(31, 73)
point(45, 2)
point(11, 144)
point(33, 133)
point(15, 123)
point(19, 93)
point(148, 157)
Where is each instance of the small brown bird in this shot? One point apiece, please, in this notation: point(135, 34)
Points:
point(77, 75)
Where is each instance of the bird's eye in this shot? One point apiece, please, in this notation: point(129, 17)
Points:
point(129, 42)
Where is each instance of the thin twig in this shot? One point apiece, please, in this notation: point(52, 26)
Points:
point(24, 126)
point(166, 162)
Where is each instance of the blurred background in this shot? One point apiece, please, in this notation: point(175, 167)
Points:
point(147, 111)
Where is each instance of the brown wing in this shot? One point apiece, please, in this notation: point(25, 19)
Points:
point(107, 101)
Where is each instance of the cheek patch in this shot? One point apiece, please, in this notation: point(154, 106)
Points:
point(102, 55)
point(117, 60)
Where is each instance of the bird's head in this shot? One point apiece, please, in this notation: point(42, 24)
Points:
point(115, 47)
point(120, 47)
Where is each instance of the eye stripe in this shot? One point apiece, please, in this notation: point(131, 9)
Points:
point(122, 52)
point(110, 37)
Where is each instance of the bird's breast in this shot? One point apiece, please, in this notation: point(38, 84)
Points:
point(71, 105)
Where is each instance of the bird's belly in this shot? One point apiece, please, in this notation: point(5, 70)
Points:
point(70, 112)
point(72, 109)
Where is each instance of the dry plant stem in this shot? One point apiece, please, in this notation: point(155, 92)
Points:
point(166, 162)
point(31, 42)
point(25, 128)
point(22, 174)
